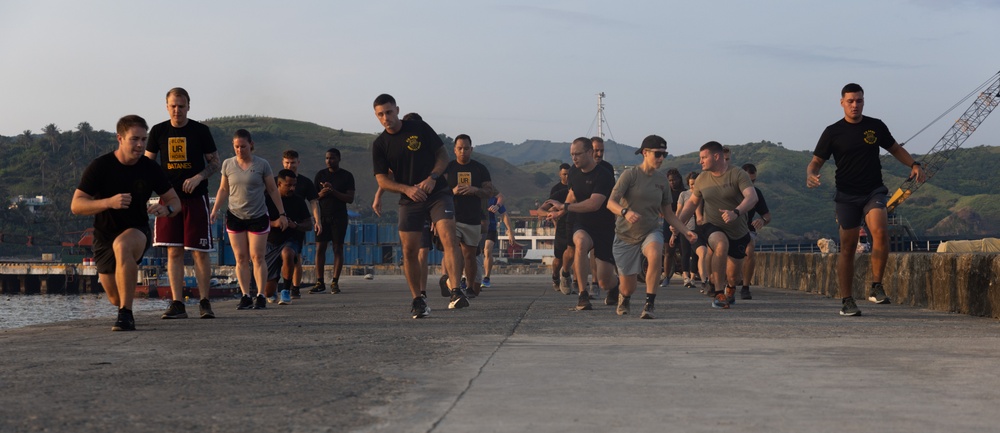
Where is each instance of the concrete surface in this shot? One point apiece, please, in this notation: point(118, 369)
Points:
point(518, 360)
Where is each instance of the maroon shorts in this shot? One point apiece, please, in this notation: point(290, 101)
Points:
point(189, 229)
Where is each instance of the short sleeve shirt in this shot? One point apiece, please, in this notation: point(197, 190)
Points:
point(758, 209)
point(182, 153)
point(331, 208)
point(107, 177)
point(410, 153)
point(468, 208)
point(247, 188)
point(305, 188)
point(855, 149)
point(596, 181)
point(723, 192)
point(295, 209)
point(645, 194)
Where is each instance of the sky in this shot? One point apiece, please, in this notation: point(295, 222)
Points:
point(691, 71)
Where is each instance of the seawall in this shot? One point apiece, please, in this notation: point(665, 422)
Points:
point(963, 283)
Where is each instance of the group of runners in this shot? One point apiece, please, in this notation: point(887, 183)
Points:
point(616, 229)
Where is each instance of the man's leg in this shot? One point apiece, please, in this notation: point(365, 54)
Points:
point(652, 252)
point(584, 243)
point(845, 261)
point(128, 248)
point(453, 259)
point(320, 286)
point(411, 261)
point(175, 272)
point(719, 259)
point(422, 257)
point(878, 229)
point(487, 258)
point(338, 264)
point(471, 267)
point(748, 270)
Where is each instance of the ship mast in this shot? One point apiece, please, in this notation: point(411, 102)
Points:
point(600, 115)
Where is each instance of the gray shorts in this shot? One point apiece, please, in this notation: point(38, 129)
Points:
point(628, 257)
point(272, 257)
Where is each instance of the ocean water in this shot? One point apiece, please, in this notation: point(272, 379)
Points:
point(17, 311)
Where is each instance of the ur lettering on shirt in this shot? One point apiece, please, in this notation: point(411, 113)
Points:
point(410, 153)
point(855, 149)
point(182, 153)
point(468, 208)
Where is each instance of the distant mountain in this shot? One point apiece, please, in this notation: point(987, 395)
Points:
point(536, 151)
point(963, 199)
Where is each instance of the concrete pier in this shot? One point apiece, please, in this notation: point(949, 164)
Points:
point(517, 360)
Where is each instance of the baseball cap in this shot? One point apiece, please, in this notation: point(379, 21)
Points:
point(652, 142)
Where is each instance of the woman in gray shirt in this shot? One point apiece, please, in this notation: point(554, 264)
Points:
point(245, 180)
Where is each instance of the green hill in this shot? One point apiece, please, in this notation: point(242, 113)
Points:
point(962, 200)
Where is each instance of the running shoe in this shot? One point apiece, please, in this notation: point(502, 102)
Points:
point(566, 285)
point(125, 321)
point(335, 287)
point(175, 311)
point(556, 281)
point(260, 303)
point(458, 300)
point(419, 309)
point(687, 282)
point(272, 299)
point(245, 303)
point(318, 288)
point(664, 283)
point(647, 311)
point(730, 294)
point(486, 282)
point(720, 301)
point(286, 297)
point(849, 307)
point(612, 298)
point(583, 302)
point(745, 293)
point(878, 295)
point(623, 305)
point(205, 309)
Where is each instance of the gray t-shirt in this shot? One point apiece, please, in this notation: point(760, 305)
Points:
point(246, 187)
point(684, 197)
point(724, 192)
point(645, 194)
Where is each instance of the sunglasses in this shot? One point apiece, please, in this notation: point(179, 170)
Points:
point(660, 153)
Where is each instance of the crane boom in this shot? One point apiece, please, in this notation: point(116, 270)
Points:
point(952, 140)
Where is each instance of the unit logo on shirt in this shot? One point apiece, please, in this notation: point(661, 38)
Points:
point(413, 143)
point(870, 137)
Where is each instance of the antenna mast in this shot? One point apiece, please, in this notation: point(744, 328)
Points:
point(600, 115)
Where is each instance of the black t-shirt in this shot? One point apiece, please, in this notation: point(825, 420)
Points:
point(106, 177)
point(182, 153)
point(596, 181)
point(410, 153)
point(854, 147)
point(295, 209)
point(330, 207)
point(559, 192)
point(468, 208)
point(758, 209)
point(305, 188)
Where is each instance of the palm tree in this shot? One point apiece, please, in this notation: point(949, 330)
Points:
point(51, 132)
point(85, 130)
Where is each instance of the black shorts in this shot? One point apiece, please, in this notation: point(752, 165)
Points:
point(737, 247)
point(562, 240)
point(702, 237)
point(492, 235)
point(104, 251)
point(272, 257)
point(258, 225)
point(851, 209)
point(334, 230)
point(603, 239)
point(426, 238)
point(438, 206)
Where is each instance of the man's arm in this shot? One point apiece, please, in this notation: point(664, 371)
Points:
point(510, 227)
point(812, 171)
point(689, 208)
point(902, 155)
point(85, 204)
point(440, 165)
point(749, 200)
point(414, 192)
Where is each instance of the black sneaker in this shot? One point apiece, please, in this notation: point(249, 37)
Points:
point(443, 283)
point(205, 308)
point(647, 311)
point(745, 293)
point(296, 294)
point(245, 303)
point(612, 298)
point(175, 311)
point(419, 309)
point(458, 300)
point(335, 287)
point(260, 303)
point(849, 307)
point(583, 302)
point(878, 295)
point(318, 288)
point(125, 321)
point(471, 294)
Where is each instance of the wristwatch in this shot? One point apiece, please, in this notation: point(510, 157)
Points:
point(737, 212)
point(624, 211)
point(170, 210)
point(566, 207)
point(916, 163)
point(435, 176)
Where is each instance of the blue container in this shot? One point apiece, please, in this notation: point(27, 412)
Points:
point(309, 254)
point(350, 237)
point(310, 237)
point(190, 282)
point(435, 257)
point(371, 233)
point(228, 259)
point(350, 254)
point(388, 234)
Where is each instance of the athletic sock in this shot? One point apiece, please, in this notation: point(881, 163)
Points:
point(287, 285)
point(650, 298)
